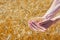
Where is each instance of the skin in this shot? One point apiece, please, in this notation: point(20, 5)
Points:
point(44, 22)
point(55, 7)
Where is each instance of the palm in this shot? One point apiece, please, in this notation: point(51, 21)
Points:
point(34, 23)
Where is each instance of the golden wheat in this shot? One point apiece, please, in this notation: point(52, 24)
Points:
point(14, 16)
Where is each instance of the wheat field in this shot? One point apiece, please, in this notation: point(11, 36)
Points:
point(14, 16)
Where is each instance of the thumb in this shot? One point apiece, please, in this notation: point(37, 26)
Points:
point(55, 19)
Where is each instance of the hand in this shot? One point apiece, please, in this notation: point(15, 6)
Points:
point(34, 23)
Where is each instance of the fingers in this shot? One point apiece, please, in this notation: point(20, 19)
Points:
point(36, 27)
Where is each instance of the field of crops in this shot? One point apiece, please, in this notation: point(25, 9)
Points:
point(14, 16)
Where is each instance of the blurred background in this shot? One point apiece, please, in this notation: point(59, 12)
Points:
point(14, 16)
